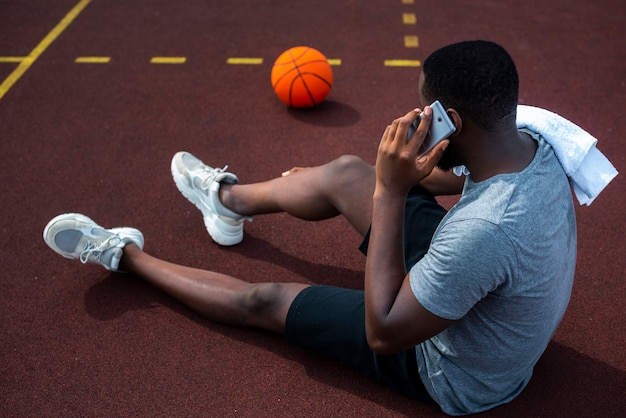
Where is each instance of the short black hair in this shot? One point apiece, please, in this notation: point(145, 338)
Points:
point(477, 78)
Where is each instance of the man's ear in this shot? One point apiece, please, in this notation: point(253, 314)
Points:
point(456, 119)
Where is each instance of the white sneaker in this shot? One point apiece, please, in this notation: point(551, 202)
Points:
point(76, 236)
point(200, 184)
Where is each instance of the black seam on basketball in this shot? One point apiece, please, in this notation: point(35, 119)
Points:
point(302, 64)
point(308, 91)
point(283, 76)
point(317, 76)
point(293, 81)
point(297, 67)
point(304, 51)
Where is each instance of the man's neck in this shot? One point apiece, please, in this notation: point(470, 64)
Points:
point(502, 152)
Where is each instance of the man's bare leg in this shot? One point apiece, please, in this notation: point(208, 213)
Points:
point(343, 186)
point(218, 297)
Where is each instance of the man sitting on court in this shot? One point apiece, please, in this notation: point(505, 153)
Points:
point(457, 307)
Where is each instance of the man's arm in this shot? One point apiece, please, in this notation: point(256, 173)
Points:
point(394, 319)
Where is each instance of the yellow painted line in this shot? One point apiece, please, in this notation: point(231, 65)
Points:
point(409, 18)
point(402, 63)
point(334, 61)
point(408, 1)
point(244, 61)
point(411, 41)
point(43, 45)
point(168, 60)
point(12, 59)
point(92, 60)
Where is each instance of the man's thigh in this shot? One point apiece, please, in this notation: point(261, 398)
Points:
point(331, 320)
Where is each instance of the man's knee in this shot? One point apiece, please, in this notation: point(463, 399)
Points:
point(265, 305)
point(349, 168)
point(260, 298)
point(350, 163)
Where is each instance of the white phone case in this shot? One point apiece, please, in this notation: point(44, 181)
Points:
point(441, 127)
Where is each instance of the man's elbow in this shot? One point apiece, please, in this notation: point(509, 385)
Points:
point(383, 345)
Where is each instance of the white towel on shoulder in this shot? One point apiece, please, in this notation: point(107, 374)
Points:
point(589, 170)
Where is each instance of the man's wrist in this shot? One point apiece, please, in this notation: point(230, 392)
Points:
point(390, 193)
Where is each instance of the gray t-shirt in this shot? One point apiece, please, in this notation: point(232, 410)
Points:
point(501, 263)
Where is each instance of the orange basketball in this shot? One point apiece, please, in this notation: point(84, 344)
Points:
point(302, 77)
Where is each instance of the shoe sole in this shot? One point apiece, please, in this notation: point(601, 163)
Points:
point(212, 223)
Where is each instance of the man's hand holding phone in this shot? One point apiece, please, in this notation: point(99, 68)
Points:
point(402, 161)
point(441, 128)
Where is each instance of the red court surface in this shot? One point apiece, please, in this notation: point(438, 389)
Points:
point(98, 137)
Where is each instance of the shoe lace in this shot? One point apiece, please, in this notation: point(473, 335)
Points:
point(93, 250)
point(211, 174)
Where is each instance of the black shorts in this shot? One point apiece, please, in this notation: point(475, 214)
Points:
point(331, 320)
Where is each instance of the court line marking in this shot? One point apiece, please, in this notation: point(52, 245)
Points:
point(244, 61)
point(402, 63)
point(92, 60)
point(11, 59)
point(180, 60)
point(41, 47)
point(168, 60)
point(409, 18)
point(411, 41)
point(257, 61)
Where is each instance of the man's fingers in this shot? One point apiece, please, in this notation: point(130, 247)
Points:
point(433, 156)
point(293, 170)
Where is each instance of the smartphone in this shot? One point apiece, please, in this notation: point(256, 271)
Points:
point(441, 127)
